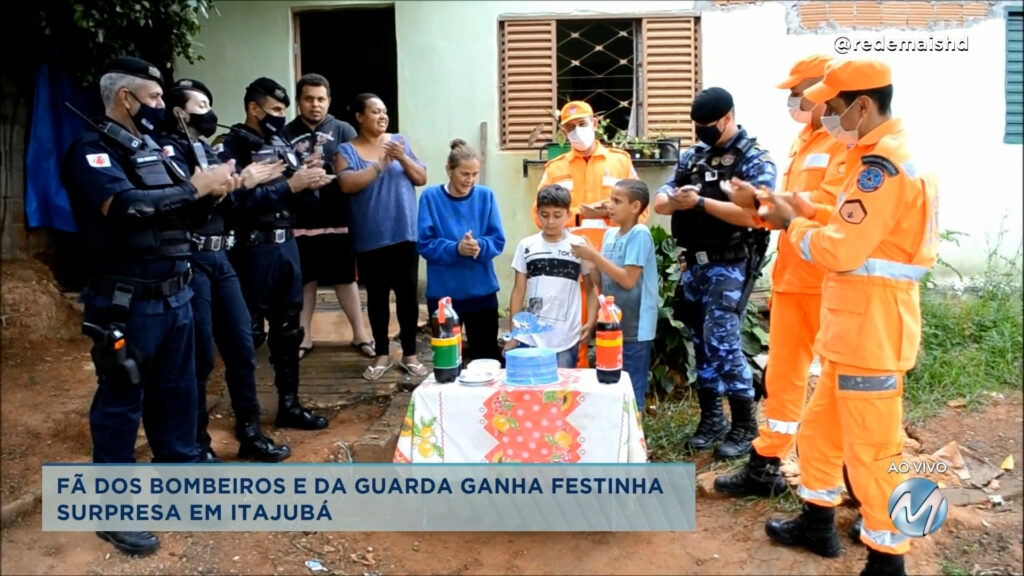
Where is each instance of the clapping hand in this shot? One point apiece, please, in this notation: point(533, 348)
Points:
point(260, 173)
point(395, 149)
point(741, 193)
point(777, 208)
point(307, 178)
point(217, 181)
point(468, 246)
point(685, 198)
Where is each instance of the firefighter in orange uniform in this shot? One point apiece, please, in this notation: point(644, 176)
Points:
point(814, 161)
point(589, 172)
point(877, 246)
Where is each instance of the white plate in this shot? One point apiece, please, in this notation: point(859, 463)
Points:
point(476, 378)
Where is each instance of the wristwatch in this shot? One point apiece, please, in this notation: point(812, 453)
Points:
point(700, 204)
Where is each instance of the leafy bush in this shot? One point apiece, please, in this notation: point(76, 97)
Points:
point(159, 31)
point(972, 338)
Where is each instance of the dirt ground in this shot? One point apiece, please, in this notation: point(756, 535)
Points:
point(47, 385)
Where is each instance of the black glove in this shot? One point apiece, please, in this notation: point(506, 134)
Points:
point(760, 390)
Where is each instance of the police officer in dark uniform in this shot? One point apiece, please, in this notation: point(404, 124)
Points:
point(265, 255)
point(723, 255)
point(218, 307)
point(130, 203)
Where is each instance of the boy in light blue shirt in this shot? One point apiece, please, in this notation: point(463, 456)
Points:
point(629, 272)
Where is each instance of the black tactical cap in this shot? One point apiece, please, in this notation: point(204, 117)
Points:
point(183, 84)
point(710, 105)
point(267, 87)
point(135, 67)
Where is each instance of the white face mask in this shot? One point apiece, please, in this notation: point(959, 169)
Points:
point(833, 123)
point(801, 116)
point(582, 138)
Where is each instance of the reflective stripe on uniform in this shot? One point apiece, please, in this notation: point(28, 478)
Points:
point(567, 184)
point(828, 495)
point(881, 383)
point(782, 427)
point(609, 181)
point(888, 269)
point(816, 161)
point(910, 169)
point(805, 246)
point(883, 538)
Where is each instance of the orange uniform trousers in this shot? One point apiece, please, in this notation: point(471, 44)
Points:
point(855, 415)
point(794, 324)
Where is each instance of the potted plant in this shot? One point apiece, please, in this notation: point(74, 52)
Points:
point(668, 147)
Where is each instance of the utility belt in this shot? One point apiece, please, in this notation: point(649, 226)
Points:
point(214, 243)
point(122, 290)
point(736, 253)
point(272, 236)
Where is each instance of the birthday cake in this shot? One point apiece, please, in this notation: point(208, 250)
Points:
point(531, 367)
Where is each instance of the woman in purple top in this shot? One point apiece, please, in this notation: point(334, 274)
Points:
point(381, 173)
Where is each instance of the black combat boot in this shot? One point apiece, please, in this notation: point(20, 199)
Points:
point(882, 564)
point(760, 477)
point(253, 445)
point(854, 532)
point(712, 426)
point(132, 543)
point(743, 430)
point(814, 529)
point(203, 442)
point(290, 413)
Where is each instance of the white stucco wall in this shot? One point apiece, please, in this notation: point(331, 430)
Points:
point(952, 103)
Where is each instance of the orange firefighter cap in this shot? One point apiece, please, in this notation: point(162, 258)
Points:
point(849, 75)
point(810, 67)
point(576, 109)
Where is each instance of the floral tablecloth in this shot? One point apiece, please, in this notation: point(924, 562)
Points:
point(574, 420)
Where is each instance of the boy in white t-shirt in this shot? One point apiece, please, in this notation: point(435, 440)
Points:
point(548, 280)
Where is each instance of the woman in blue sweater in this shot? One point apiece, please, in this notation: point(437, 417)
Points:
point(459, 236)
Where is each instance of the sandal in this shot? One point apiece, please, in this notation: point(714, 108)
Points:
point(416, 369)
point(305, 351)
point(374, 372)
point(367, 348)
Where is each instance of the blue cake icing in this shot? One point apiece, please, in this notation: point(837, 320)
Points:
point(531, 367)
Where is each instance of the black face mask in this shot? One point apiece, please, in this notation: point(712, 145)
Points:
point(708, 134)
point(271, 125)
point(147, 118)
point(205, 123)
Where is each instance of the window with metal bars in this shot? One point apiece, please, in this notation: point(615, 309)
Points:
point(596, 63)
point(639, 74)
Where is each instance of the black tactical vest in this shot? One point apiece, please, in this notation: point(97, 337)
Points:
point(707, 168)
point(274, 149)
point(165, 236)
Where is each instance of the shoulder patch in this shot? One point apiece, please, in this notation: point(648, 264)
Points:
point(881, 162)
point(853, 211)
point(98, 160)
point(870, 179)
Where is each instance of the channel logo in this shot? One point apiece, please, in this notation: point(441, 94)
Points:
point(917, 507)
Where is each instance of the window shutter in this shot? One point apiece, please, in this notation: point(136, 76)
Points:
point(528, 81)
point(1014, 77)
point(671, 69)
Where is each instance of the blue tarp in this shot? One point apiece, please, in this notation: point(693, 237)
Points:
point(54, 128)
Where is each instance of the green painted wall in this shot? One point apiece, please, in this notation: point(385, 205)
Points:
point(447, 79)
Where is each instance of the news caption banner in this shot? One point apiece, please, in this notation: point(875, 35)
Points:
point(369, 497)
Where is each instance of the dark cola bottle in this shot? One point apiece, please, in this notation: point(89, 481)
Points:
point(608, 341)
point(446, 342)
